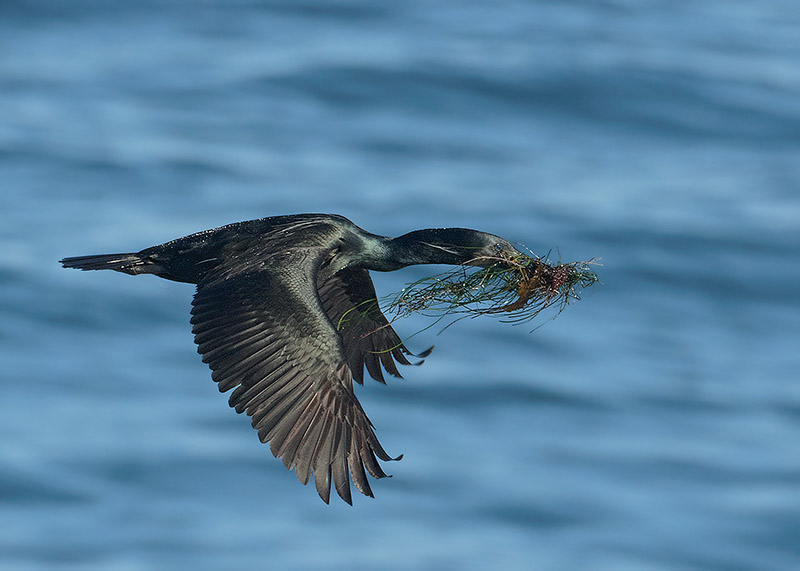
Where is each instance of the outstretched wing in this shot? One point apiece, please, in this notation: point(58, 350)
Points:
point(349, 299)
point(264, 333)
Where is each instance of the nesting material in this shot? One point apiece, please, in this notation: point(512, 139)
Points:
point(515, 288)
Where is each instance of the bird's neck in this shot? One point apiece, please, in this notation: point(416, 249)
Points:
point(431, 246)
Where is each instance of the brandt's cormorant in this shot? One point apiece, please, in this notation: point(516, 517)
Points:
point(285, 314)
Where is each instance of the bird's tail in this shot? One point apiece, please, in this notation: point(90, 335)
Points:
point(127, 263)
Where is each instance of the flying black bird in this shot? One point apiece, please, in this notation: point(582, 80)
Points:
point(285, 313)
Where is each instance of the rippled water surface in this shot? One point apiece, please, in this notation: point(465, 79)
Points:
point(655, 425)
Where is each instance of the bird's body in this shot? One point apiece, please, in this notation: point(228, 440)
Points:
point(286, 315)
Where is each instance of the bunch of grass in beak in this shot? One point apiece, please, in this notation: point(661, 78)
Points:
point(516, 287)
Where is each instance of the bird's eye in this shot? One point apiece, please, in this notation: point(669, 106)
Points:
point(498, 247)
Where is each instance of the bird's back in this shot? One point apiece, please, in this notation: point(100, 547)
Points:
point(240, 245)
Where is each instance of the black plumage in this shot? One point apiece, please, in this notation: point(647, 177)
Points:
point(286, 316)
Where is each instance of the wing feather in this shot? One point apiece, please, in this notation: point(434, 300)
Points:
point(323, 456)
point(253, 399)
point(289, 447)
point(307, 449)
point(339, 462)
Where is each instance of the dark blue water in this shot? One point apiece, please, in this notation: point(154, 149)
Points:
point(654, 425)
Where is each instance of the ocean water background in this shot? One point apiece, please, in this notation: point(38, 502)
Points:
point(654, 425)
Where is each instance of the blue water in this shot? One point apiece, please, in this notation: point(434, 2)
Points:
point(654, 425)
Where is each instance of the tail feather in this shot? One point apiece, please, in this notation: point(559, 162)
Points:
point(128, 263)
